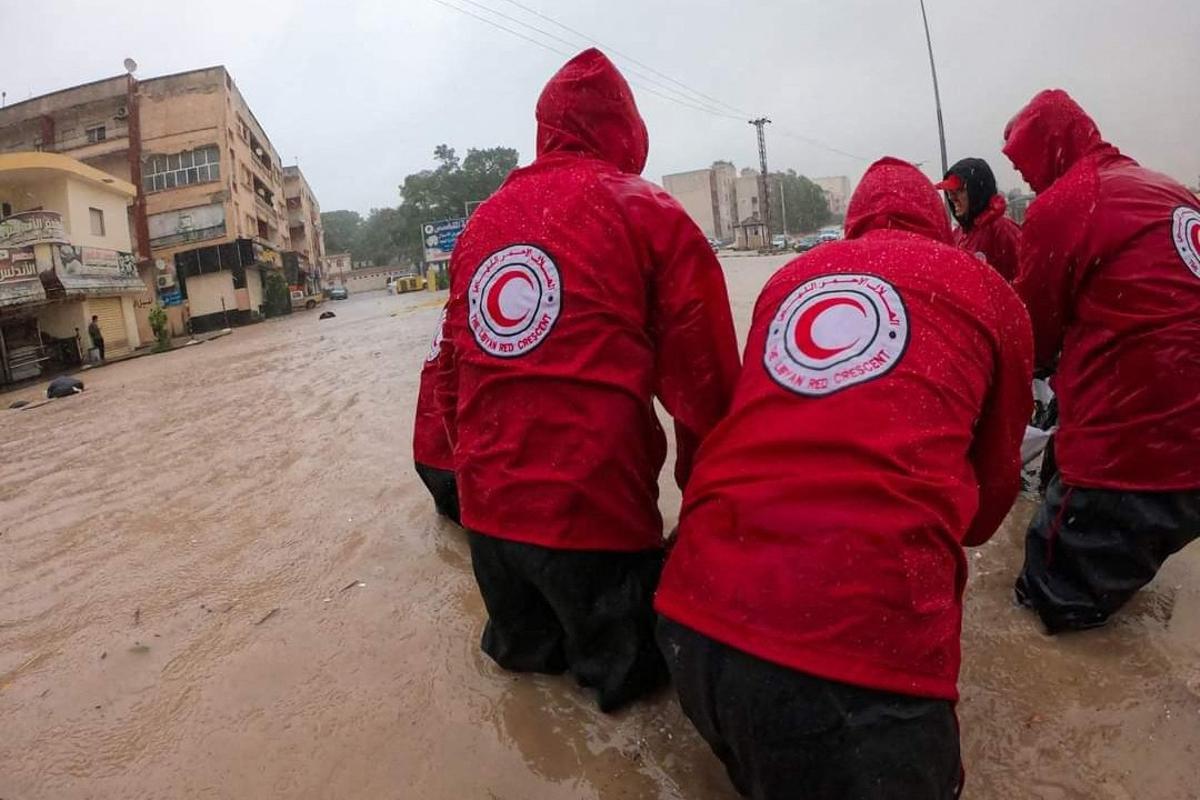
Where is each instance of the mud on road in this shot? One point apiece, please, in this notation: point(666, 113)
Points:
point(220, 578)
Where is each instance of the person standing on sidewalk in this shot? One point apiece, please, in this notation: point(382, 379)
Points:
point(983, 229)
point(1110, 273)
point(579, 293)
point(812, 604)
point(96, 336)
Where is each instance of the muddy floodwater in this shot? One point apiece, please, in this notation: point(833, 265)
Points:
point(220, 578)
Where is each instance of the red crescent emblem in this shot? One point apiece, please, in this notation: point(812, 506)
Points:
point(493, 299)
point(1196, 238)
point(804, 326)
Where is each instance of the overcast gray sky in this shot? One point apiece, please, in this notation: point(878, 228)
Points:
point(362, 90)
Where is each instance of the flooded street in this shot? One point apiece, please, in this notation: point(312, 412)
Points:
point(221, 578)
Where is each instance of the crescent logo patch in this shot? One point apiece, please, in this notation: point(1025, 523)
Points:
point(1185, 233)
point(835, 331)
point(435, 347)
point(514, 300)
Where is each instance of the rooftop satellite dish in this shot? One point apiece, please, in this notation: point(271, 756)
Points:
point(130, 66)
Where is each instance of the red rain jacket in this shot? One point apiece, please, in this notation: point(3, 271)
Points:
point(1110, 272)
point(431, 444)
point(875, 430)
point(578, 293)
point(993, 237)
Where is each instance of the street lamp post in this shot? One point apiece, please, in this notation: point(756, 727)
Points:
point(783, 205)
point(937, 97)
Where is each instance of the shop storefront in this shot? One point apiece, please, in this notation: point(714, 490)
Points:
point(49, 291)
point(227, 284)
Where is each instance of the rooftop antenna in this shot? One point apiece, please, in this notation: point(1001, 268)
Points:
point(130, 66)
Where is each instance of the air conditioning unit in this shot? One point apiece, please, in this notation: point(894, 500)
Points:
point(166, 281)
point(122, 113)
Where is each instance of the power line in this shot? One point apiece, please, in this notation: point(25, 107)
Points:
point(544, 46)
point(818, 143)
point(628, 58)
point(529, 39)
point(681, 100)
point(743, 114)
point(555, 37)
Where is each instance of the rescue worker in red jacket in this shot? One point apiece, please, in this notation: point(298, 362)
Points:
point(579, 292)
point(812, 604)
point(432, 456)
point(983, 229)
point(1110, 273)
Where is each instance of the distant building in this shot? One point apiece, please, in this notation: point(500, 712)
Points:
point(210, 220)
point(837, 193)
point(65, 256)
point(305, 231)
point(709, 197)
point(747, 188)
point(335, 269)
point(369, 279)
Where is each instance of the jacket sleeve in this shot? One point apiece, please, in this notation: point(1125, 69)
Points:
point(1005, 249)
point(1050, 260)
point(446, 386)
point(996, 449)
point(696, 358)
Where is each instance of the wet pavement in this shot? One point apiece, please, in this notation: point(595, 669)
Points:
point(220, 578)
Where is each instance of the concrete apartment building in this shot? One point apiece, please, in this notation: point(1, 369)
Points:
point(65, 256)
point(210, 219)
point(749, 205)
point(724, 204)
point(837, 193)
point(303, 264)
point(709, 196)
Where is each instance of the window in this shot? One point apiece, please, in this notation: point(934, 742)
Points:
point(94, 134)
point(181, 169)
point(97, 218)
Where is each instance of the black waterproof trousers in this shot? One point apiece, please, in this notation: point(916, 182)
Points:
point(784, 734)
point(586, 611)
point(442, 484)
point(1088, 551)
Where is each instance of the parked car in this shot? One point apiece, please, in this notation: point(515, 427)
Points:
point(714, 244)
point(779, 242)
point(806, 243)
point(300, 300)
point(831, 233)
point(338, 293)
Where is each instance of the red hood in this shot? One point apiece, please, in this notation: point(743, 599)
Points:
point(587, 107)
point(1047, 137)
point(893, 194)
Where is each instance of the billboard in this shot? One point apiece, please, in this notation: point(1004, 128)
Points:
point(19, 280)
point(440, 237)
point(32, 227)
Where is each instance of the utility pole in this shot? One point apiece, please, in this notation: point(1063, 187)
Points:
point(764, 195)
point(937, 97)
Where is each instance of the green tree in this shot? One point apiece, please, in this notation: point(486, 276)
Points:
point(393, 235)
point(807, 208)
point(341, 229)
point(277, 300)
point(443, 192)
